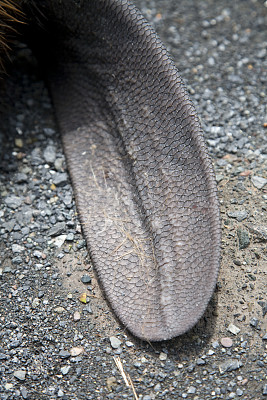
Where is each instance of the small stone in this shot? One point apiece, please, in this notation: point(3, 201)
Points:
point(76, 316)
point(76, 351)
point(35, 303)
point(229, 365)
point(64, 354)
point(191, 390)
point(9, 225)
point(233, 329)
point(13, 202)
point(70, 237)
point(243, 237)
point(226, 342)
point(258, 181)
point(67, 199)
point(59, 164)
point(191, 367)
point(87, 309)
point(9, 386)
point(81, 244)
point(157, 387)
point(65, 369)
point(239, 392)
point(264, 390)
point(86, 279)
point(115, 342)
point(16, 248)
point(20, 374)
point(129, 344)
point(200, 361)
point(50, 154)
point(57, 229)
point(59, 310)
point(38, 254)
point(60, 179)
point(215, 344)
point(264, 307)
point(239, 215)
point(60, 393)
point(21, 177)
point(163, 356)
point(237, 262)
point(59, 240)
point(111, 382)
point(254, 322)
point(19, 143)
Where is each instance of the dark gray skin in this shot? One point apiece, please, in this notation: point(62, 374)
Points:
point(143, 181)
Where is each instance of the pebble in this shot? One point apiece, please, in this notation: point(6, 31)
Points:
point(239, 215)
point(264, 390)
point(86, 279)
point(8, 386)
point(60, 179)
point(65, 369)
point(50, 154)
point(229, 365)
point(64, 354)
point(20, 374)
point(200, 361)
point(115, 342)
point(243, 237)
point(254, 322)
point(258, 181)
point(191, 390)
point(233, 329)
point(226, 342)
point(57, 229)
point(24, 392)
point(35, 303)
point(21, 177)
point(70, 237)
point(76, 351)
point(16, 248)
point(111, 382)
point(59, 240)
point(59, 310)
point(13, 202)
point(163, 356)
point(60, 393)
point(76, 316)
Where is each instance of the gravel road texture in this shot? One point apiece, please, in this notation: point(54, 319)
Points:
point(58, 343)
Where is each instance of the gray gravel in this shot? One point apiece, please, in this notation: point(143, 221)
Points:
point(58, 337)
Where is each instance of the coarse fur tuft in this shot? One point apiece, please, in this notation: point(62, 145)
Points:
point(10, 16)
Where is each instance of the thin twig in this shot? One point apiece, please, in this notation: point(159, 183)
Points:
point(126, 377)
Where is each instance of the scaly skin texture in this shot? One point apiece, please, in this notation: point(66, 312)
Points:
point(143, 181)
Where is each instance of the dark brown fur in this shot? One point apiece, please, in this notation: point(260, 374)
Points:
point(11, 16)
